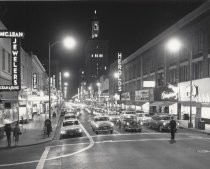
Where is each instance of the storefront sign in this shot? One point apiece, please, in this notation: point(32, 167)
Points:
point(15, 52)
point(125, 96)
point(119, 67)
point(34, 81)
point(166, 93)
point(148, 83)
point(200, 91)
point(142, 95)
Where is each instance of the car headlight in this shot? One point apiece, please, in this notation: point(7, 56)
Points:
point(80, 130)
point(177, 124)
point(97, 126)
point(112, 125)
point(63, 132)
point(164, 123)
point(141, 123)
point(127, 123)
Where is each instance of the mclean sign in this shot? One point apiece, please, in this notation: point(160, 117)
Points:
point(15, 51)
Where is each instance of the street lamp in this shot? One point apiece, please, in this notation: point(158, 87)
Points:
point(116, 75)
point(174, 45)
point(68, 43)
point(66, 74)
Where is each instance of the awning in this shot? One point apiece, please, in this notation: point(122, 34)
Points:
point(162, 103)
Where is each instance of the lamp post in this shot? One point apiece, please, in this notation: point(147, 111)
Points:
point(68, 43)
point(174, 45)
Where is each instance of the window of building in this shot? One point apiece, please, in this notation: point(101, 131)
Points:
point(208, 66)
point(9, 63)
point(3, 59)
point(183, 73)
point(172, 75)
point(197, 70)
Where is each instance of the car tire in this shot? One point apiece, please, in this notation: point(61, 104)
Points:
point(139, 130)
point(96, 132)
point(160, 128)
point(111, 131)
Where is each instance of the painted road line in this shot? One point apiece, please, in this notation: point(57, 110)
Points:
point(60, 145)
point(43, 158)
point(116, 132)
point(142, 140)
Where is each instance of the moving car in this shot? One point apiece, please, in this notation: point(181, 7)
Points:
point(71, 127)
point(161, 122)
point(127, 113)
point(145, 118)
point(114, 116)
point(70, 116)
point(130, 123)
point(102, 124)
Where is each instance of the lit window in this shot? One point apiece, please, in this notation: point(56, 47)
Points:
point(105, 67)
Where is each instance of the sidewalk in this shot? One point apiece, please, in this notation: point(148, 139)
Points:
point(32, 133)
point(184, 124)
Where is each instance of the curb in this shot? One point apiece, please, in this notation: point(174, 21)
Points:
point(198, 131)
point(38, 143)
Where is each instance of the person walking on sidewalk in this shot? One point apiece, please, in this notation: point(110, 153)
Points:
point(173, 128)
point(8, 130)
point(48, 126)
point(16, 134)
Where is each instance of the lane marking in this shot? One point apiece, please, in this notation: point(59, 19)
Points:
point(99, 142)
point(60, 145)
point(116, 132)
point(43, 158)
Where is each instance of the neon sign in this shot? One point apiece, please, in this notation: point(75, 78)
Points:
point(15, 51)
point(119, 67)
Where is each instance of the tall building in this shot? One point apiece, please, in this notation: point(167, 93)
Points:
point(96, 53)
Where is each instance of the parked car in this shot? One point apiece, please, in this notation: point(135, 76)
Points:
point(130, 123)
point(70, 116)
point(145, 118)
point(102, 124)
point(161, 122)
point(70, 127)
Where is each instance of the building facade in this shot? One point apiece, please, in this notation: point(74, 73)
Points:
point(171, 71)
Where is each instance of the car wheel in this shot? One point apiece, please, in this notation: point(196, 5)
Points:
point(160, 128)
point(139, 130)
point(111, 131)
point(96, 132)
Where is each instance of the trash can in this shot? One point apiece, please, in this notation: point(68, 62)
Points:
point(201, 125)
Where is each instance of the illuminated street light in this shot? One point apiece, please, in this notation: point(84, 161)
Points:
point(98, 84)
point(174, 45)
point(65, 84)
point(66, 74)
point(69, 43)
point(89, 88)
point(116, 75)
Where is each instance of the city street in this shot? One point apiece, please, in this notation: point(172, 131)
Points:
point(149, 149)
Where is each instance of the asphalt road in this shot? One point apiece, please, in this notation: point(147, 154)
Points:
point(149, 149)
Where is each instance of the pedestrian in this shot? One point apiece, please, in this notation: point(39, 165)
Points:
point(16, 134)
point(173, 128)
point(8, 130)
point(119, 124)
point(48, 126)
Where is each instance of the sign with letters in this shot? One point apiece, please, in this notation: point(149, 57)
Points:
point(15, 52)
point(119, 67)
point(34, 81)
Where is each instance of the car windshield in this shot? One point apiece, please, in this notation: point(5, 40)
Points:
point(165, 118)
point(102, 119)
point(70, 116)
point(70, 123)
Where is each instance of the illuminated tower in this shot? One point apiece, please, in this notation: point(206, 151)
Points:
point(96, 53)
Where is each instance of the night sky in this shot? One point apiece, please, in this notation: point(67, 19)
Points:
point(127, 25)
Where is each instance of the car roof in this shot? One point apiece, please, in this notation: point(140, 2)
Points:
point(73, 120)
